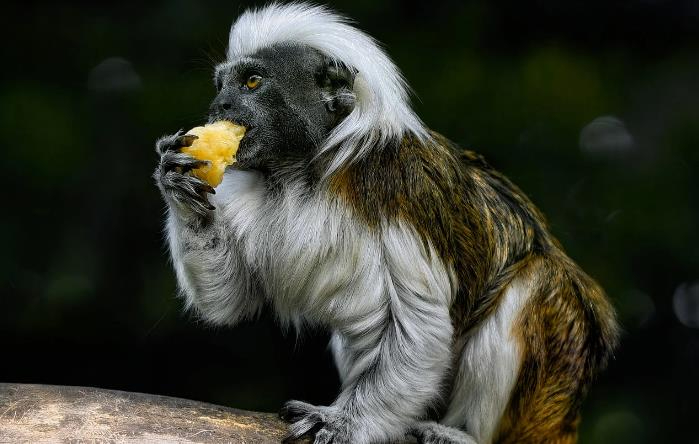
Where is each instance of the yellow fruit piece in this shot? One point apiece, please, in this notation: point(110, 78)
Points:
point(218, 143)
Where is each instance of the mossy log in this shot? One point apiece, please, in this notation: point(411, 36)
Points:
point(45, 413)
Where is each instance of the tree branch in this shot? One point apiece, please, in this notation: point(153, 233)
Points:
point(40, 413)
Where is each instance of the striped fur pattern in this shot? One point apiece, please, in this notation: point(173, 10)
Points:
point(456, 316)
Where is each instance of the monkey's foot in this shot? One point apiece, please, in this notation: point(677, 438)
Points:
point(430, 432)
point(325, 423)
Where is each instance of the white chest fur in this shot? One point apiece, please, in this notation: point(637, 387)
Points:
point(315, 259)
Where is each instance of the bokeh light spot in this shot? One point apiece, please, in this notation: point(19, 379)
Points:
point(606, 135)
point(685, 302)
point(114, 74)
point(618, 427)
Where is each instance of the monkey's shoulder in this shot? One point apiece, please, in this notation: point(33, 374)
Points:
point(400, 178)
point(413, 177)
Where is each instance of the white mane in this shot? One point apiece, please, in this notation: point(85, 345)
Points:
point(382, 112)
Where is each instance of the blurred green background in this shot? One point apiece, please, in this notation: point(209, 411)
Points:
point(591, 107)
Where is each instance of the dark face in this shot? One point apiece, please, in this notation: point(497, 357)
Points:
point(288, 96)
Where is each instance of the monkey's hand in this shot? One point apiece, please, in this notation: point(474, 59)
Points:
point(327, 423)
point(178, 187)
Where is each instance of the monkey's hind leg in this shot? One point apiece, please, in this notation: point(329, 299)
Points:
point(567, 331)
point(430, 432)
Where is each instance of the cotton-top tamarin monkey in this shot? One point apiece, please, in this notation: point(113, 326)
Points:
point(456, 316)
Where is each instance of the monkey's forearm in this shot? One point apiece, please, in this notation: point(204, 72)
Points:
point(392, 363)
point(210, 269)
point(392, 355)
point(394, 383)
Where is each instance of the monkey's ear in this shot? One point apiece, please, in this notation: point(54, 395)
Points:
point(337, 80)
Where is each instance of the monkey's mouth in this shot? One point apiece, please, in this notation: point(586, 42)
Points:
point(247, 148)
point(249, 134)
point(248, 127)
point(249, 131)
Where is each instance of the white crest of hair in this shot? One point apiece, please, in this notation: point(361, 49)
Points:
point(382, 113)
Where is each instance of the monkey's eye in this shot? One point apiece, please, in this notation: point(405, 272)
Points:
point(253, 81)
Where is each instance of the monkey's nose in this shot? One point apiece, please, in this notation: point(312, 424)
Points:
point(221, 104)
point(228, 106)
point(226, 101)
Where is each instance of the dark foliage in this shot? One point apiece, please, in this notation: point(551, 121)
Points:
point(590, 107)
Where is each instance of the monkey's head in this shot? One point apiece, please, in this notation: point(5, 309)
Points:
point(289, 96)
point(305, 82)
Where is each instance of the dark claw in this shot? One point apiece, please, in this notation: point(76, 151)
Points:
point(182, 162)
point(196, 196)
point(200, 186)
point(305, 420)
point(291, 411)
point(284, 414)
point(174, 142)
point(186, 140)
point(188, 190)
